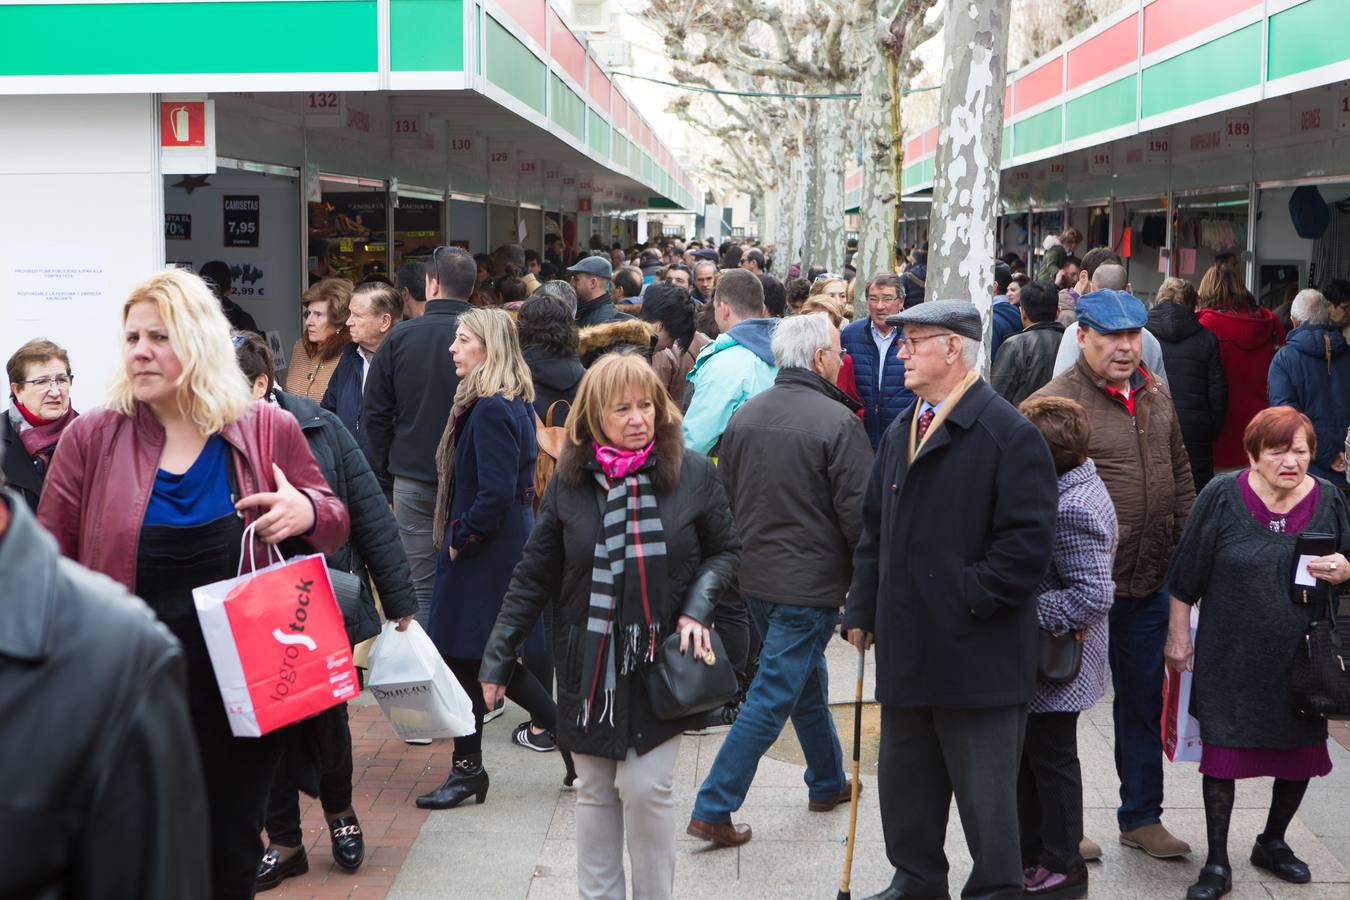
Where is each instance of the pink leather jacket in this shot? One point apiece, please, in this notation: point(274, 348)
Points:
point(103, 471)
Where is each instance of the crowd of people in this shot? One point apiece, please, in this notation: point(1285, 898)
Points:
point(554, 465)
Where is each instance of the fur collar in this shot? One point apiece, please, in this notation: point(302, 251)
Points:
point(577, 463)
point(596, 340)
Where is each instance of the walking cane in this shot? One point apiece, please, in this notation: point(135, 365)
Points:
point(853, 801)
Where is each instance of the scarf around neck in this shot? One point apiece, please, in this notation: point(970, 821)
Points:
point(948, 404)
point(40, 439)
point(465, 398)
point(629, 581)
point(618, 463)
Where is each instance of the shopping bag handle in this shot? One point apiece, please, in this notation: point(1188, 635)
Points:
point(247, 540)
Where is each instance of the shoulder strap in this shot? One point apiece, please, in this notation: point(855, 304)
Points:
point(548, 416)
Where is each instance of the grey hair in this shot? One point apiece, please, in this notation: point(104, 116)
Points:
point(1110, 277)
point(797, 338)
point(1310, 308)
point(970, 351)
point(705, 262)
point(562, 291)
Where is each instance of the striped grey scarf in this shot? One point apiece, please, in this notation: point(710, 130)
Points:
point(628, 581)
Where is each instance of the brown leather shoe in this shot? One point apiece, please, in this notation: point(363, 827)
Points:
point(723, 835)
point(1156, 841)
point(844, 797)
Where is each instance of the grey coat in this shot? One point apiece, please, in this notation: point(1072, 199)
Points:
point(1238, 572)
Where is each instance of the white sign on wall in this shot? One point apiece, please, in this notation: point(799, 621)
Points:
point(47, 281)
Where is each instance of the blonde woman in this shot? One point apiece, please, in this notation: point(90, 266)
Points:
point(143, 491)
point(832, 286)
point(624, 450)
point(835, 312)
point(326, 307)
point(483, 514)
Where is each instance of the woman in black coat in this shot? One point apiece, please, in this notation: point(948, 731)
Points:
point(39, 411)
point(625, 451)
point(373, 553)
point(1194, 373)
point(548, 338)
point(483, 515)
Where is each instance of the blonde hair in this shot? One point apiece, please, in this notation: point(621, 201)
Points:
point(212, 391)
point(604, 384)
point(821, 303)
point(820, 284)
point(504, 370)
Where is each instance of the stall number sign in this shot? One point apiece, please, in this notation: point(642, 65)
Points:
point(1157, 151)
point(1343, 110)
point(528, 167)
point(408, 128)
point(1099, 161)
point(323, 109)
point(1237, 132)
point(499, 157)
point(177, 226)
point(241, 220)
point(461, 145)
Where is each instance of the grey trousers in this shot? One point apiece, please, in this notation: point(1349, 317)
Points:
point(414, 508)
point(630, 800)
point(926, 755)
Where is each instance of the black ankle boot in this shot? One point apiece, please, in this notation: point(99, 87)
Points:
point(467, 779)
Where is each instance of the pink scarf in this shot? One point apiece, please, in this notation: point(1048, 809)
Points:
point(616, 463)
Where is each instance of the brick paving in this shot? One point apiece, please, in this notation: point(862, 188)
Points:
point(387, 774)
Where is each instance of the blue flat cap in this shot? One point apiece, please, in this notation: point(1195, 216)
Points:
point(958, 316)
point(1106, 312)
point(593, 265)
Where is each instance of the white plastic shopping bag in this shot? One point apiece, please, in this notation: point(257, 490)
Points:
point(418, 693)
point(1180, 729)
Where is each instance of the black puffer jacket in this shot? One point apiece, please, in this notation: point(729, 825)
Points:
point(374, 550)
point(702, 552)
point(555, 378)
point(1195, 377)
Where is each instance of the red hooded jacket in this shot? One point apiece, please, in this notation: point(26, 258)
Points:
point(1248, 339)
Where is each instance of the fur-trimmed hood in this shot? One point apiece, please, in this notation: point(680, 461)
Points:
point(577, 463)
point(597, 340)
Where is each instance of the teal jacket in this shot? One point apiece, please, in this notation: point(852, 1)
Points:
point(729, 371)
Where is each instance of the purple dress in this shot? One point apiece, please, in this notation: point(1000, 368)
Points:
point(1293, 764)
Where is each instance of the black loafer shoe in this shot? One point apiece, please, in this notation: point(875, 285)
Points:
point(349, 846)
point(1277, 858)
point(1215, 881)
point(273, 870)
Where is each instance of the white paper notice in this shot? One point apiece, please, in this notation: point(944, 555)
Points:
point(51, 282)
point(1301, 575)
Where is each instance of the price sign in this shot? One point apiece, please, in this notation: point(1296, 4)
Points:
point(241, 220)
point(1099, 161)
point(1157, 150)
point(1237, 131)
point(323, 109)
point(177, 226)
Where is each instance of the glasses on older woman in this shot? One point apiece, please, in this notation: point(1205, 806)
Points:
point(60, 382)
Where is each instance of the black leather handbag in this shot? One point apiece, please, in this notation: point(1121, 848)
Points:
point(1061, 657)
point(680, 685)
point(1319, 679)
point(347, 590)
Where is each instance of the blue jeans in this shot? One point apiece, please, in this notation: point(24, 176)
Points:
point(1138, 631)
point(792, 681)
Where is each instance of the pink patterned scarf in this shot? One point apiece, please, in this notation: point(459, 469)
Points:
point(617, 464)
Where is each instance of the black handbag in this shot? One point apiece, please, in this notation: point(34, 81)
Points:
point(1061, 657)
point(347, 590)
point(680, 685)
point(1319, 679)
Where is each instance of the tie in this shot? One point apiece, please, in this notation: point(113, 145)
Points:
point(924, 421)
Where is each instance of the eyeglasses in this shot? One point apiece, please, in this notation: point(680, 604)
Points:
point(909, 344)
point(62, 382)
point(841, 351)
point(828, 276)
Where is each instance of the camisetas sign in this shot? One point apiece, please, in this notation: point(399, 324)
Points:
point(241, 220)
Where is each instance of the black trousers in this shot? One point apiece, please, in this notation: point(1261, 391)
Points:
point(523, 688)
point(1050, 793)
point(335, 793)
point(927, 755)
point(731, 619)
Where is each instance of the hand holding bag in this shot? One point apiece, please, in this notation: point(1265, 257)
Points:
point(680, 685)
point(417, 692)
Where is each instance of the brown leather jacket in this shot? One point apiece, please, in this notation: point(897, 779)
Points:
point(103, 472)
point(1143, 461)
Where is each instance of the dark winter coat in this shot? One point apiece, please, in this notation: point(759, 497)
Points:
point(1026, 361)
point(409, 391)
point(702, 551)
point(18, 466)
point(373, 551)
point(879, 409)
point(1007, 322)
point(598, 311)
point(1311, 373)
point(953, 548)
point(1195, 377)
point(344, 396)
point(914, 282)
point(491, 514)
point(795, 459)
point(555, 378)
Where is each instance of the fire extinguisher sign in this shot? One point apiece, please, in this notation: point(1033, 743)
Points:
point(241, 220)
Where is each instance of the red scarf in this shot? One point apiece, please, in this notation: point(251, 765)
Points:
point(40, 439)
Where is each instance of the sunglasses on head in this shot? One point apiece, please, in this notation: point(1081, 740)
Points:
point(828, 276)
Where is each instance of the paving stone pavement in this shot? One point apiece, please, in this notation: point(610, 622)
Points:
point(520, 843)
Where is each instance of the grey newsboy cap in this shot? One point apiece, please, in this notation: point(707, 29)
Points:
point(593, 265)
point(958, 316)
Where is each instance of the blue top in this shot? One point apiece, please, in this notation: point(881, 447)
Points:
point(199, 495)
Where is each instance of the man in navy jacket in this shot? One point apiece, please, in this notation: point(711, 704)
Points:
point(878, 373)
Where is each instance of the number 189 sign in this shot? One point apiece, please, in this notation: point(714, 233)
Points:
point(241, 220)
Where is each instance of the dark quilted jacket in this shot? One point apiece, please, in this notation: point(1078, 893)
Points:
point(1195, 377)
point(878, 410)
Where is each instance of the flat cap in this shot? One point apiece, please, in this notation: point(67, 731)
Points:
point(593, 265)
point(958, 316)
point(706, 253)
point(1106, 312)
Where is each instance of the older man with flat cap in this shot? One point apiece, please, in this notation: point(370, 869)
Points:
point(1137, 446)
point(958, 529)
point(590, 278)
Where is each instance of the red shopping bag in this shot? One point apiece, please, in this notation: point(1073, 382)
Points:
point(277, 644)
point(1180, 730)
